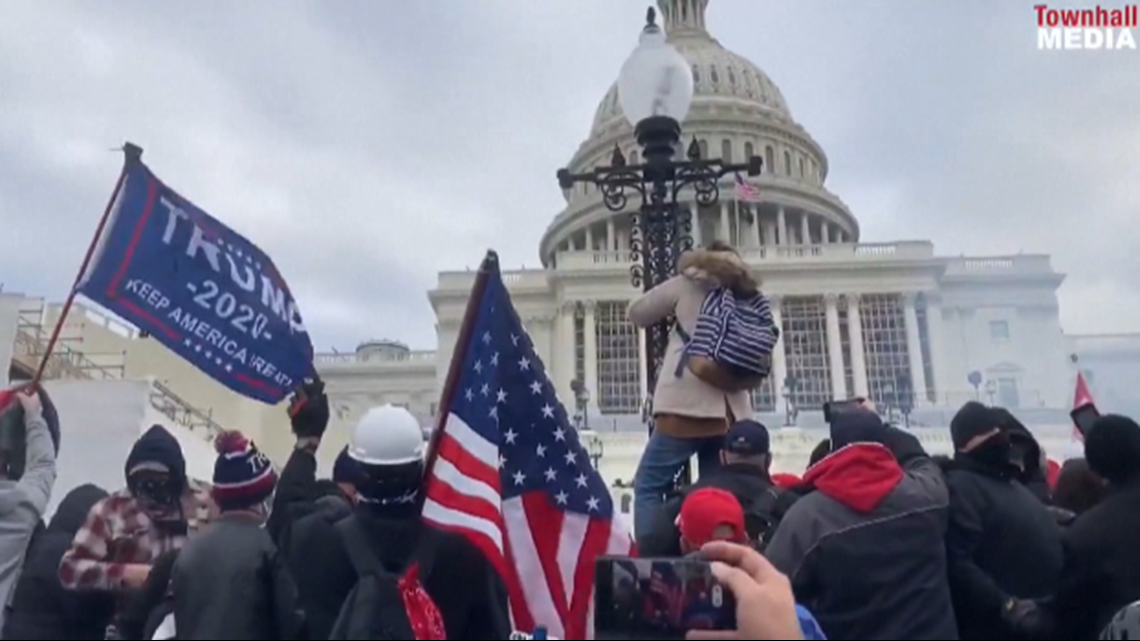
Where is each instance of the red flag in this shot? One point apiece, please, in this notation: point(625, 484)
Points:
point(1081, 398)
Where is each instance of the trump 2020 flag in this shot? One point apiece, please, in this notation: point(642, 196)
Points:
point(199, 288)
point(508, 471)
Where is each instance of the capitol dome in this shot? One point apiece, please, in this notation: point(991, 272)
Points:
point(737, 112)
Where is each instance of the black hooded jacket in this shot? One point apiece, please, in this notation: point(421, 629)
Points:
point(157, 445)
point(1002, 543)
point(1026, 448)
point(41, 608)
point(473, 608)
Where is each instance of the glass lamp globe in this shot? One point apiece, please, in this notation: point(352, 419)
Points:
point(656, 80)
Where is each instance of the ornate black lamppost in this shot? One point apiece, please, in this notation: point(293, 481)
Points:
point(655, 90)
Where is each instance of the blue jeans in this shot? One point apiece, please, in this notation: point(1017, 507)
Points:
point(663, 458)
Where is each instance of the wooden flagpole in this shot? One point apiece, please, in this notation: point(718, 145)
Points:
point(451, 383)
point(133, 154)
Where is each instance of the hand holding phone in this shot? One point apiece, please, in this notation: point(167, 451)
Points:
point(765, 604)
point(835, 409)
point(1084, 417)
point(653, 599)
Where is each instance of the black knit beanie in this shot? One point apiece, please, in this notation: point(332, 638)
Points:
point(1112, 449)
point(971, 421)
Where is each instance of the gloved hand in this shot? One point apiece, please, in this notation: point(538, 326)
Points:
point(905, 446)
point(309, 410)
point(1025, 618)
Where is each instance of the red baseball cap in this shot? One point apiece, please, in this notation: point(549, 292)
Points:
point(706, 510)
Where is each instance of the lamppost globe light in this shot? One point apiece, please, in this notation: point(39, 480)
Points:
point(655, 80)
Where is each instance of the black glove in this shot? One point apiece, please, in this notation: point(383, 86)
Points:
point(309, 410)
point(905, 446)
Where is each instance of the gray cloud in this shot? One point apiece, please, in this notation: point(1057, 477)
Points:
point(368, 145)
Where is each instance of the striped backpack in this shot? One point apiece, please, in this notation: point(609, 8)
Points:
point(732, 342)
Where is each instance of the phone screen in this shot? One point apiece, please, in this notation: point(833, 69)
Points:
point(658, 599)
point(833, 409)
point(1084, 417)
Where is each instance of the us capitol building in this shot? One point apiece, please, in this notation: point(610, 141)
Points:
point(889, 320)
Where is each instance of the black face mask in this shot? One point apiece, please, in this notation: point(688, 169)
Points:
point(155, 492)
point(995, 452)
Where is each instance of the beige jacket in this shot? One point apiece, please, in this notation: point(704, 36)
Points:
point(701, 271)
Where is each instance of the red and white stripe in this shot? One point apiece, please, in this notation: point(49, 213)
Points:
point(544, 555)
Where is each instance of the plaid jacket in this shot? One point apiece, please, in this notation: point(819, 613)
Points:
point(118, 533)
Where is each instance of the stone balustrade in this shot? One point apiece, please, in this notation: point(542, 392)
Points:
point(334, 359)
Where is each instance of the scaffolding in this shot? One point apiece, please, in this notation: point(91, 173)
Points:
point(69, 362)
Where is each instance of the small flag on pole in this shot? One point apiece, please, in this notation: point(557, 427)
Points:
point(746, 192)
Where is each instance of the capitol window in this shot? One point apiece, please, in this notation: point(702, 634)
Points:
point(696, 75)
point(999, 331)
point(748, 151)
point(619, 360)
point(731, 77)
point(770, 159)
point(805, 346)
point(801, 167)
point(885, 349)
point(726, 150)
point(704, 147)
point(713, 75)
point(579, 343)
point(788, 163)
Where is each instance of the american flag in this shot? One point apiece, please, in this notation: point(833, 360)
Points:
point(746, 192)
point(665, 584)
point(509, 472)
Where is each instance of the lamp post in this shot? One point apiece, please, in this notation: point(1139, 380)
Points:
point(655, 90)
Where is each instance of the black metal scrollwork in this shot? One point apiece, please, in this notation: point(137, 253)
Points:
point(660, 232)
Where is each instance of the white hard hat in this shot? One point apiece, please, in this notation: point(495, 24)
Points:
point(387, 435)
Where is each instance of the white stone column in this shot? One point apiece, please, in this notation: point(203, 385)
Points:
point(695, 218)
point(835, 349)
point(914, 350)
point(934, 326)
point(782, 226)
point(805, 228)
point(611, 236)
point(779, 359)
point(825, 232)
point(858, 357)
point(643, 359)
point(590, 239)
point(562, 352)
point(723, 234)
point(591, 330)
point(757, 229)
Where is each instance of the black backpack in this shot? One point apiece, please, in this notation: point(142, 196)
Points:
point(760, 517)
point(378, 607)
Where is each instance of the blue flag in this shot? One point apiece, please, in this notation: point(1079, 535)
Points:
point(199, 288)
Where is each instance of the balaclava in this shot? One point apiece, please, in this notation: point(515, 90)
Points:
point(156, 471)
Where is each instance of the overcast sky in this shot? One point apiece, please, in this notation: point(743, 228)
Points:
point(367, 145)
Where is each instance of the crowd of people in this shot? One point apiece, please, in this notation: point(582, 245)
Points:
point(877, 539)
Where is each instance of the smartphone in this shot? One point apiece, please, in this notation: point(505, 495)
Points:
point(652, 599)
point(1084, 417)
point(834, 409)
